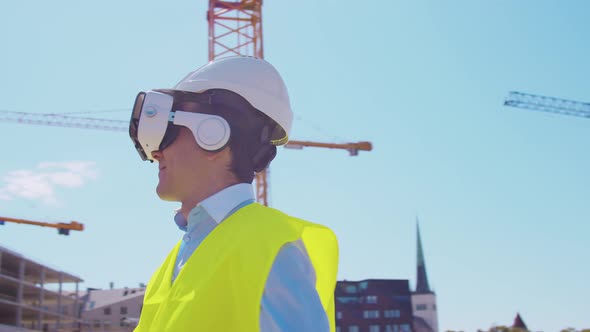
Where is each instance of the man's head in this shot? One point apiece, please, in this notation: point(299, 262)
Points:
point(184, 164)
point(213, 134)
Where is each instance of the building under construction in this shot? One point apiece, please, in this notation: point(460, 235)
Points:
point(32, 297)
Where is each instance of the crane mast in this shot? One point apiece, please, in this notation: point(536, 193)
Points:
point(235, 28)
point(547, 104)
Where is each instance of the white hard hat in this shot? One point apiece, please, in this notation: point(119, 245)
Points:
point(255, 80)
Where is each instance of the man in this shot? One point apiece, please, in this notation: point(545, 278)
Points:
point(240, 266)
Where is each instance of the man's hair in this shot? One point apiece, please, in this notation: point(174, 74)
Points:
point(250, 137)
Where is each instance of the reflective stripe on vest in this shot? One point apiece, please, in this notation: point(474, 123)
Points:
point(222, 283)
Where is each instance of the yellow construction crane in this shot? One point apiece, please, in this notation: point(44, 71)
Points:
point(62, 228)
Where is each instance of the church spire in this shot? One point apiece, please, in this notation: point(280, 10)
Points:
point(421, 277)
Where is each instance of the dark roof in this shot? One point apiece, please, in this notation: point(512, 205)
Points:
point(422, 286)
point(519, 323)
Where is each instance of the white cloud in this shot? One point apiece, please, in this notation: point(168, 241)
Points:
point(41, 182)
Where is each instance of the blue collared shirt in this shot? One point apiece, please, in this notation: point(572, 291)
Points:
point(290, 301)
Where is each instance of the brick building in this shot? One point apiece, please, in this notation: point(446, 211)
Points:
point(386, 305)
point(373, 305)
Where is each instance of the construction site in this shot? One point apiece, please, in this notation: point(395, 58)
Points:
point(70, 195)
point(26, 302)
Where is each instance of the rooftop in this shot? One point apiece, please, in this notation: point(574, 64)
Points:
point(100, 298)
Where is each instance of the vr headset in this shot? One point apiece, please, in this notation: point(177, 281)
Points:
point(151, 127)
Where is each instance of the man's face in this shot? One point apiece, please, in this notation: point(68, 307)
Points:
point(183, 166)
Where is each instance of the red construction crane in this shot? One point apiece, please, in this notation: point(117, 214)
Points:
point(235, 28)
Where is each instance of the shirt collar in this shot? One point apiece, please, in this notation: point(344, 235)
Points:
point(220, 204)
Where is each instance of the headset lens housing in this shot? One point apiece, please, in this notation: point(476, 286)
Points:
point(134, 124)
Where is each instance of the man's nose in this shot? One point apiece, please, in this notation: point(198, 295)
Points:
point(157, 155)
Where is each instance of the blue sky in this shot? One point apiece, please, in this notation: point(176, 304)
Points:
point(501, 193)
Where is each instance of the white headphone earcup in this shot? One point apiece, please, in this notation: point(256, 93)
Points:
point(213, 133)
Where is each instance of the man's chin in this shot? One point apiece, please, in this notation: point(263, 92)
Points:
point(165, 195)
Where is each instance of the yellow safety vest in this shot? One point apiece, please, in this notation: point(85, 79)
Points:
point(221, 286)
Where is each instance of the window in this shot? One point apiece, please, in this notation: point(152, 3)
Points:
point(374, 328)
point(64, 310)
point(401, 299)
point(421, 307)
point(123, 310)
point(107, 310)
point(353, 328)
point(96, 323)
point(347, 299)
point(371, 314)
point(351, 289)
point(106, 324)
point(406, 328)
point(392, 328)
point(339, 315)
point(371, 299)
point(391, 313)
